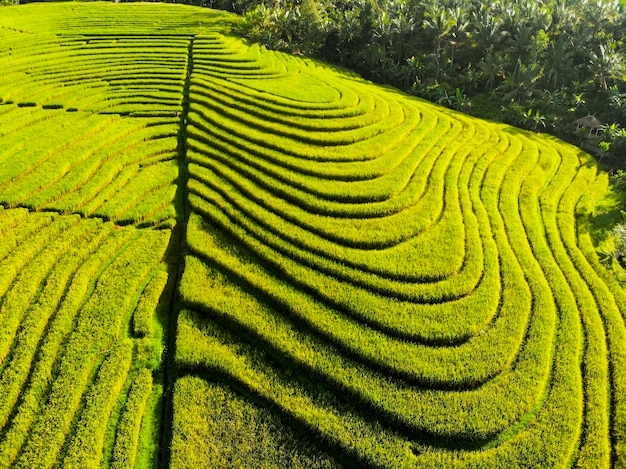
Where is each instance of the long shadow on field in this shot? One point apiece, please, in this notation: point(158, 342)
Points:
point(176, 267)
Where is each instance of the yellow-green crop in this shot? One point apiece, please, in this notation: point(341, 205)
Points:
point(215, 255)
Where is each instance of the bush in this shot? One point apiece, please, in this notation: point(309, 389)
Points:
point(619, 234)
point(618, 180)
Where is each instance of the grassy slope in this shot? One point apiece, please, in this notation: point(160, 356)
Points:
point(90, 142)
point(369, 280)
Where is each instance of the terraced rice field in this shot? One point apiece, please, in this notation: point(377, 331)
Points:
point(213, 255)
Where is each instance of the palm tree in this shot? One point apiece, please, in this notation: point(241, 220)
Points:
point(563, 19)
point(508, 15)
point(458, 28)
point(606, 63)
point(522, 83)
point(521, 43)
point(403, 27)
point(493, 66)
point(559, 61)
point(487, 33)
point(599, 14)
point(439, 24)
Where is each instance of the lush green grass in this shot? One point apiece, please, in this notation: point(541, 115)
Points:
point(361, 278)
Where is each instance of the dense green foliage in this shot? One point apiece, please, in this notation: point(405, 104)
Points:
point(539, 65)
point(362, 278)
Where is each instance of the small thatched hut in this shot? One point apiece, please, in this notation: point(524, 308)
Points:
point(594, 124)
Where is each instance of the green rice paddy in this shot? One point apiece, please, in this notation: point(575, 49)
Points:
point(214, 255)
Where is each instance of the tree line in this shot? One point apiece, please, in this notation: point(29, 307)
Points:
point(537, 64)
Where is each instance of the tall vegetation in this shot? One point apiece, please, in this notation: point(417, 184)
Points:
point(535, 64)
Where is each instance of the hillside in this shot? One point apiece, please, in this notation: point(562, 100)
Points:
point(214, 255)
